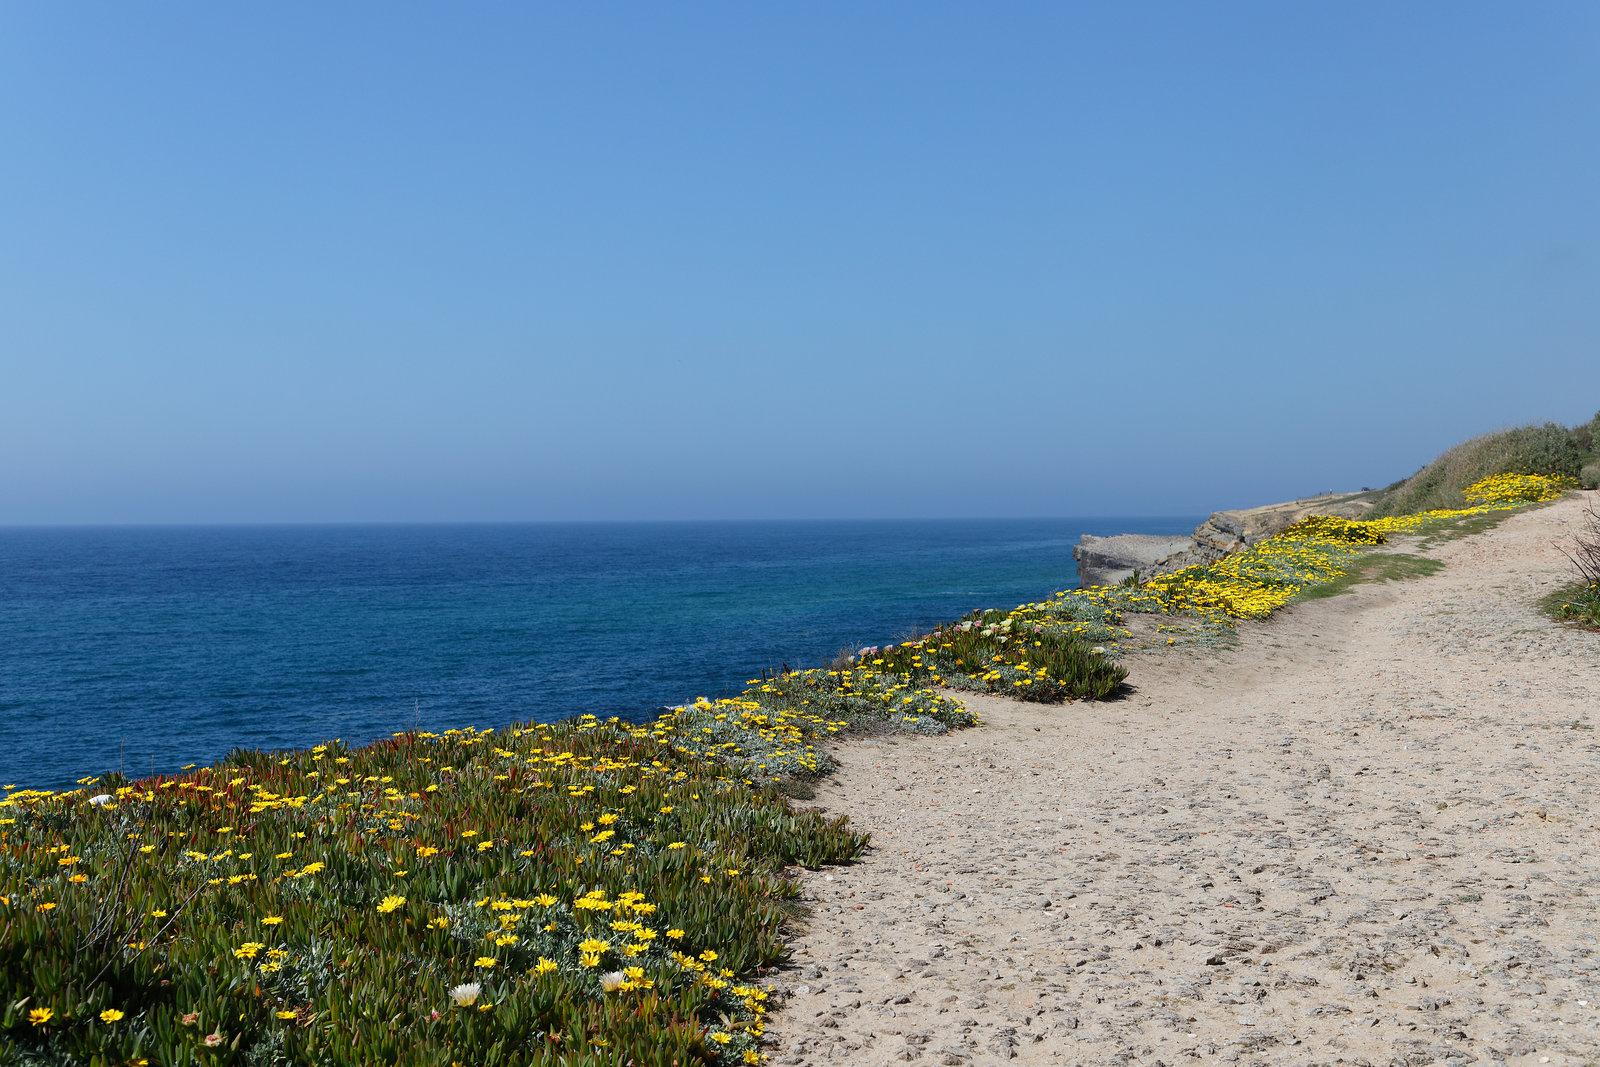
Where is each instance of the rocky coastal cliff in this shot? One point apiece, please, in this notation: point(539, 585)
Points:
point(1109, 560)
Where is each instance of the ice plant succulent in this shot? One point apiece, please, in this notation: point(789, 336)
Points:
point(291, 920)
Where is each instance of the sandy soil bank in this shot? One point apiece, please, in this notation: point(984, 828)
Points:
point(1367, 834)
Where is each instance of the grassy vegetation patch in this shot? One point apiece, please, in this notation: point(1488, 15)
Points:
point(1374, 567)
point(1578, 604)
point(1453, 528)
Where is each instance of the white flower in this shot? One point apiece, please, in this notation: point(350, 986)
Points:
point(100, 798)
point(612, 981)
point(466, 994)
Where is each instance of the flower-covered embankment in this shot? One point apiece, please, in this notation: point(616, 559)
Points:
point(1203, 601)
point(573, 893)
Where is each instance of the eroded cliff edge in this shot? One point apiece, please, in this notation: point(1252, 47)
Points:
point(1109, 560)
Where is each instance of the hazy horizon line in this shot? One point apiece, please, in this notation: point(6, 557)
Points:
point(279, 523)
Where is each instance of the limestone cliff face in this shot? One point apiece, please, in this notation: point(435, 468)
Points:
point(1227, 532)
point(1109, 560)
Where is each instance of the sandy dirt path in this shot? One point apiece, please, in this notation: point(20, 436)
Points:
point(1366, 834)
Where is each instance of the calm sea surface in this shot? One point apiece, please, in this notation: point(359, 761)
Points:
point(158, 647)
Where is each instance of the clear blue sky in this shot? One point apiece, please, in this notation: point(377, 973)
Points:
point(334, 262)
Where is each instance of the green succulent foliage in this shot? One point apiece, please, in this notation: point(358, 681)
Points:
point(995, 652)
point(318, 907)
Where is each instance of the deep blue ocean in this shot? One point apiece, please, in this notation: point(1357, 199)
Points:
point(155, 647)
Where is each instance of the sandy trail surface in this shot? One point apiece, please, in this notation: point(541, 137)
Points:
point(1364, 834)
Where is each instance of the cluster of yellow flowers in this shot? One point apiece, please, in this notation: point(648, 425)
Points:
point(1514, 489)
point(1256, 582)
point(740, 731)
